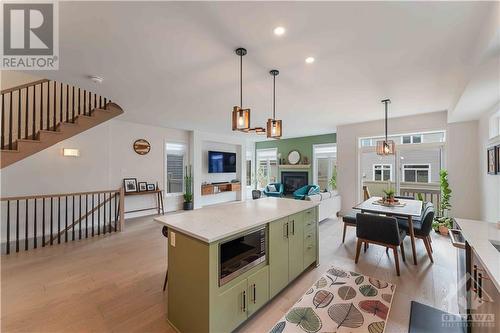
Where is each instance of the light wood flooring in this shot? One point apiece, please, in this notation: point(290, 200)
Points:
point(114, 283)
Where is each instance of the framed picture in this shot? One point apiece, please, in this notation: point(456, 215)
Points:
point(151, 187)
point(130, 185)
point(143, 186)
point(492, 160)
point(498, 158)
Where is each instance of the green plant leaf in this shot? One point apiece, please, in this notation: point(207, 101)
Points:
point(354, 274)
point(337, 272)
point(346, 315)
point(359, 279)
point(368, 291)
point(306, 318)
point(322, 299)
point(346, 293)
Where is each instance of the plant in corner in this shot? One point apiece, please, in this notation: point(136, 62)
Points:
point(443, 222)
point(188, 189)
point(333, 180)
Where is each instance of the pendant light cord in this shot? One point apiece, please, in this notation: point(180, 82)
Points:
point(386, 122)
point(241, 81)
point(274, 97)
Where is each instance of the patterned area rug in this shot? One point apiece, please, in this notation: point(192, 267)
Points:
point(340, 301)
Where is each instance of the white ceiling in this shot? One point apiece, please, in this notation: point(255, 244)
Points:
point(173, 64)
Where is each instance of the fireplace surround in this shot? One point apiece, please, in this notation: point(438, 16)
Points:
point(293, 180)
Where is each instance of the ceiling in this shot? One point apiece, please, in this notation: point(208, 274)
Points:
point(173, 64)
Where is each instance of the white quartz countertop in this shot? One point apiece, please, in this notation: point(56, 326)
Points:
point(210, 224)
point(479, 234)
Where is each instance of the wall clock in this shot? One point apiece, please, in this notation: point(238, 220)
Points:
point(142, 147)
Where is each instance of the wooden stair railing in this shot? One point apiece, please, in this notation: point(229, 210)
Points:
point(29, 222)
point(36, 111)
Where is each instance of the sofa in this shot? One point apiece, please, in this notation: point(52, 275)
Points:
point(278, 193)
point(305, 191)
point(329, 204)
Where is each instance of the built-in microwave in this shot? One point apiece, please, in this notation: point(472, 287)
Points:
point(240, 254)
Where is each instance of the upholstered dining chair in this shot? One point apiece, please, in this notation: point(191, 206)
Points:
point(380, 230)
point(349, 218)
point(422, 227)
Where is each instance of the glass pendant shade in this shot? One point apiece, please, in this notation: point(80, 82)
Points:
point(274, 128)
point(241, 119)
point(386, 147)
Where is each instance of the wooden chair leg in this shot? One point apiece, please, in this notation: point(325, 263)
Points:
point(165, 282)
point(343, 235)
point(386, 250)
point(396, 258)
point(365, 247)
point(430, 243)
point(358, 250)
point(403, 252)
point(428, 248)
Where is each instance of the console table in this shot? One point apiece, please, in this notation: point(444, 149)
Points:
point(159, 201)
point(209, 189)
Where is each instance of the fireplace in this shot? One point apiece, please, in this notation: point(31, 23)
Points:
point(293, 180)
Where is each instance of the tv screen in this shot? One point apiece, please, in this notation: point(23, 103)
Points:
point(221, 162)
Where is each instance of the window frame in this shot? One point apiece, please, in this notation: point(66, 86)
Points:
point(382, 167)
point(428, 169)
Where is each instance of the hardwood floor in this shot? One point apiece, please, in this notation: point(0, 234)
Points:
point(114, 283)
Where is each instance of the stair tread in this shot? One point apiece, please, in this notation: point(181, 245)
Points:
point(9, 150)
point(28, 140)
point(51, 132)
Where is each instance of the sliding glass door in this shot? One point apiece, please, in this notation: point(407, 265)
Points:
point(324, 163)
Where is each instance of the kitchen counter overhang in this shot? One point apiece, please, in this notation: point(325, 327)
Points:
point(214, 223)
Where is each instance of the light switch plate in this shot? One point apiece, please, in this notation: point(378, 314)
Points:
point(172, 239)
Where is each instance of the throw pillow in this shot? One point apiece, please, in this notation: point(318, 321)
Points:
point(311, 191)
point(271, 188)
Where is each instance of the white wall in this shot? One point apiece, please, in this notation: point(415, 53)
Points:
point(489, 185)
point(200, 143)
point(106, 157)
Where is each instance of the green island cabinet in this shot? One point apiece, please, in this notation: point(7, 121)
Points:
point(196, 302)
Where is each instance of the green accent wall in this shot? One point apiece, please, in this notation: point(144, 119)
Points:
point(303, 145)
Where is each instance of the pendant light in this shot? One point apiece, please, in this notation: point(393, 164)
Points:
point(241, 117)
point(274, 129)
point(386, 147)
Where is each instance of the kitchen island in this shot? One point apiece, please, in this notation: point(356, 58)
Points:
point(227, 261)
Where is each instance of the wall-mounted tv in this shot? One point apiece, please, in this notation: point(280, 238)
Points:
point(221, 162)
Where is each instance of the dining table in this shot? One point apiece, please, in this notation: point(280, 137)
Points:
point(405, 208)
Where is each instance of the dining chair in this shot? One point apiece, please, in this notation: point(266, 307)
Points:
point(405, 197)
point(380, 230)
point(164, 232)
point(422, 227)
point(349, 218)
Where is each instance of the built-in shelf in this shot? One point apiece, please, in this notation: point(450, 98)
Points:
point(294, 166)
point(210, 189)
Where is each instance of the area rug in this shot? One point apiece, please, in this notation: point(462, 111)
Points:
point(340, 301)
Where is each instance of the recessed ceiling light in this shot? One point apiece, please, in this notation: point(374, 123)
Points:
point(278, 31)
point(96, 79)
point(309, 60)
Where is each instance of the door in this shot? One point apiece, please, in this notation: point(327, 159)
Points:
point(278, 255)
point(231, 308)
point(258, 290)
point(295, 245)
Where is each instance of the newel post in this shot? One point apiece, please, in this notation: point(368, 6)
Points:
point(122, 208)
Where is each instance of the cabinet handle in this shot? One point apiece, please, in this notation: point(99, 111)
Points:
point(244, 301)
point(480, 287)
point(285, 230)
point(293, 227)
point(474, 278)
point(254, 294)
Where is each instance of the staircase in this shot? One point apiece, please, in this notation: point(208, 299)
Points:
point(40, 114)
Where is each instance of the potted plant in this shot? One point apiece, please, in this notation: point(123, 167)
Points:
point(333, 180)
point(188, 189)
point(442, 223)
point(389, 195)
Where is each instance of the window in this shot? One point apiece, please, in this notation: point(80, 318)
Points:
point(249, 172)
point(324, 161)
point(176, 153)
point(366, 143)
point(417, 173)
point(414, 138)
point(382, 172)
point(267, 166)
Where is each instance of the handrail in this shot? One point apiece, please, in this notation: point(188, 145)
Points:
point(55, 195)
point(22, 86)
